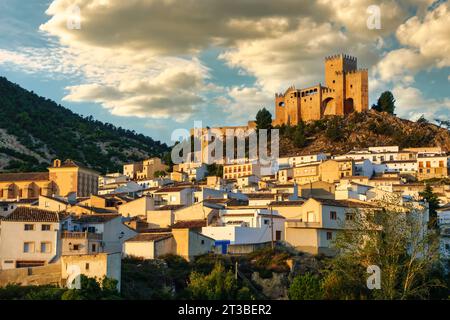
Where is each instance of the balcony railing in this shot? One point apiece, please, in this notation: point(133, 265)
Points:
point(81, 235)
point(303, 224)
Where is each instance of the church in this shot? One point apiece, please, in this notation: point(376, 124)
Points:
point(345, 91)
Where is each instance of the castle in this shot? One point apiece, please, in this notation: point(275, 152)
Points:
point(345, 91)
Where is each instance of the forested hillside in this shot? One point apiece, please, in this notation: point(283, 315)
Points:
point(34, 130)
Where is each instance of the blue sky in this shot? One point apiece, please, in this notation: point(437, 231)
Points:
point(154, 66)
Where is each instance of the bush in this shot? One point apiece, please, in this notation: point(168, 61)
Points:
point(306, 287)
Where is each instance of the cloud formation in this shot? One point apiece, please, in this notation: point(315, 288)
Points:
point(142, 57)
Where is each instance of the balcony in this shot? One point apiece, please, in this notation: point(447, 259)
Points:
point(303, 224)
point(81, 235)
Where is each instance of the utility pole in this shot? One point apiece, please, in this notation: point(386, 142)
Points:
point(271, 227)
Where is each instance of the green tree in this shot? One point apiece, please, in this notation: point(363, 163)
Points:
point(159, 173)
point(214, 170)
point(306, 287)
point(392, 237)
point(299, 135)
point(334, 130)
point(433, 203)
point(263, 119)
point(443, 123)
point(422, 120)
point(385, 103)
point(91, 289)
point(218, 285)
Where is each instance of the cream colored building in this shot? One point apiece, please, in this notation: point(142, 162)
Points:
point(93, 266)
point(53, 204)
point(234, 171)
point(144, 170)
point(138, 207)
point(312, 226)
point(432, 166)
point(180, 241)
point(30, 237)
point(71, 177)
point(329, 171)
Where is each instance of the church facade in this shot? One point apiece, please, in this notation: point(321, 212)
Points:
point(346, 90)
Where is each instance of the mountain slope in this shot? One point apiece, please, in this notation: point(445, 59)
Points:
point(339, 135)
point(34, 130)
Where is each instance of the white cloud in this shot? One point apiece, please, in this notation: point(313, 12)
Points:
point(427, 45)
point(246, 101)
point(140, 57)
point(411, 104)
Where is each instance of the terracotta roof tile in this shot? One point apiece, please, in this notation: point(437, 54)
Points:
point(189, 224)
point(34, 215)
point(144, 237)
point(24, 176)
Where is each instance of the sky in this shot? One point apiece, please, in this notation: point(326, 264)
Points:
point(154, 66)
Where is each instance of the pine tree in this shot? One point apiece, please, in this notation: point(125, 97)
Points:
point(385, 103)
point(263, 119)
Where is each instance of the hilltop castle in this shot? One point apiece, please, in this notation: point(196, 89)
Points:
point(345, 91)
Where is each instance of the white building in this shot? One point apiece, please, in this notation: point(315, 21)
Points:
point(290, 162)
point(30, 237)
point(444, 226)
point(245, 228)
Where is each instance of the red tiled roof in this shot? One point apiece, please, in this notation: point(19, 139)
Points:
point(287, 203)
point(97, 218)
point(27, 214)
point(344, 203)
point(171, 207)
point(173, 189)
point(24, 176)
point(144, 237)
point(189, 224)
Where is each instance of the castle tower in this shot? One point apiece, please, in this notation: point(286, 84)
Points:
point(345, 91)
point(336, 68)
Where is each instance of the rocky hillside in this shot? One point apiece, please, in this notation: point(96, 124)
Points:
point(34, 130)
point(361, 130)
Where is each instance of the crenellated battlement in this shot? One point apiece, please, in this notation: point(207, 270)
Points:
point(352, 71)
point(341, 56)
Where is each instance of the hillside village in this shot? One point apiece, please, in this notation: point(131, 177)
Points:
point(71, 217)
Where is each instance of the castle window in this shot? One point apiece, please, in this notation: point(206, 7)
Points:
point(281, 104)
point(351, 86)
point(334, 81)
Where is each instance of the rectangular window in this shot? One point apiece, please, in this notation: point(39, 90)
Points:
point(333, 215)
point(76, 247)
point(46, 247)
point(94, 247)
point(28, 247)
point(349, 216)
point(29, 227)
point(87, 266)
point(329, 235)
point(45, 227)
